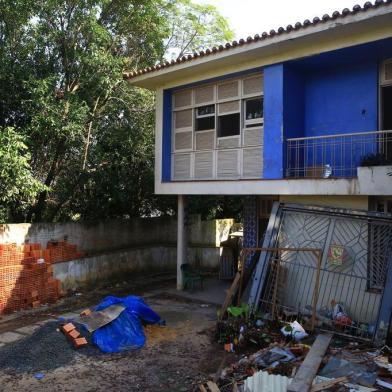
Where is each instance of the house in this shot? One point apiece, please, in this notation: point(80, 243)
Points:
point(300, 115)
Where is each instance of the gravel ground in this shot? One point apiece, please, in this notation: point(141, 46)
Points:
point(174, 359)
point(40, 351)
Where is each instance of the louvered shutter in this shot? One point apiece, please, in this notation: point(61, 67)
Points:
point(252, 85)
point(253, 136)
point(229, 107)
point(227, 164)
point(386, 72)
point(181, 166)
point(205, 140)
point(228, 90)
point(183, 141)
point(229, 142)
point(183, 119)
point(204, 165)
point(252, 162)
point(182, 99)
point(204, 95)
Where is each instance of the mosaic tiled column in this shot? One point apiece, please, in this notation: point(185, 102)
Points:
point(250, 225)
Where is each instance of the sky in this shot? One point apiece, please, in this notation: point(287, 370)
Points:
point(250, 17)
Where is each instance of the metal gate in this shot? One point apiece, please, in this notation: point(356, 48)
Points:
point(349, 280)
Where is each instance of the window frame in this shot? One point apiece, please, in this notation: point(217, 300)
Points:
point(222, 143)
point(254, 122)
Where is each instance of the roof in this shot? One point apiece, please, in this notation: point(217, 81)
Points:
point(271, 36)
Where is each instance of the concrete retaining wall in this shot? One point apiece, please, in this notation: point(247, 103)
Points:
point(117, 247)
point(76, 273)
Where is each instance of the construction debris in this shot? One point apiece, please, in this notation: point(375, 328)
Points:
point(308, 370)
point(265, 382)
point(73, 335)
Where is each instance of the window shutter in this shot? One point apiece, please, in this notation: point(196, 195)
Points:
point(181, 166)
point(253, 85)
point(205, 140)
point(183, 141)
point(229, 107)
point(183, 119)
point(204, 165)
point(227, 165)
point(252, 162)
point(387, 72)
point(231, 142)
point(182, 99)
point(204, 95)
point(253, 136)
point(228, 90)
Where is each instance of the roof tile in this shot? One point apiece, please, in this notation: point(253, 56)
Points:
point(336, 14)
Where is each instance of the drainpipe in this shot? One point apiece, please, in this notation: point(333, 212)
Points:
point(181, 240)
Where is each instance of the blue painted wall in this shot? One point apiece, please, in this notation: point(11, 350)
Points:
point(273, 121)
point(341, 99)
point(166, 135)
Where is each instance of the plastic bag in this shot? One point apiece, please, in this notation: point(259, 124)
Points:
point(295, 330)
point(340, 316)
point(126, 331)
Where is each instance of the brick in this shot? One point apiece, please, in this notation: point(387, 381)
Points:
point(36, 304)
point(74, 334)
point(79, 342)
point(67, 328)
point(85, 312)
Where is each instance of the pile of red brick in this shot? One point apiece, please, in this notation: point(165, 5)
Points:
point(57, 251)
point(26, 274)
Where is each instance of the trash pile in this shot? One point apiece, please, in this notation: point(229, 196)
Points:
point(273, 355)
point(286, 363)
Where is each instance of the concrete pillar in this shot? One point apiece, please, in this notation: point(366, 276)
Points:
point(181, 240)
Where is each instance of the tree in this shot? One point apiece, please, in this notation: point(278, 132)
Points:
point(18, 187)
point(88, 132)
point(194, 27)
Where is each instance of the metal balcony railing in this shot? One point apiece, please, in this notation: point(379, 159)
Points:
point(339, 155)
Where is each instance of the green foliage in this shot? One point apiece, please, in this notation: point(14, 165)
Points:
point(85, 132)
point(194, 27)
point(18, 187)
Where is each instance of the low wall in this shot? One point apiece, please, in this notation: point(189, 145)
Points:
point(85, 271)
point(116, 247)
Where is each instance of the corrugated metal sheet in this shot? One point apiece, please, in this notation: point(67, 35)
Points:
point(262, 381)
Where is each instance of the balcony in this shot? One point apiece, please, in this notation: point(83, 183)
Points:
point(337, 156)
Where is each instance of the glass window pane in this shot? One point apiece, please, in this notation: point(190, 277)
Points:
point(205, 110)
point(229, 125)
point(205, 123)
point(254, 108)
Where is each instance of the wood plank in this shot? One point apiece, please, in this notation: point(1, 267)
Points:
point(230, 295)
point(302, 381)
point(213, 387)
point(202, 388)
point(328, 384)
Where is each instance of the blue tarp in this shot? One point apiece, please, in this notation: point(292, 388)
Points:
point(126, 331)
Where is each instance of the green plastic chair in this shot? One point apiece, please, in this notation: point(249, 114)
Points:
point(191, 277)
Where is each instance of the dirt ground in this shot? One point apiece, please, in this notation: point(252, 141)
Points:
point(175, 357)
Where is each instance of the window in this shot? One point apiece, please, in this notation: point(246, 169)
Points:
point(379, 249)
point(253, 116)
point(229, 125)
point(218, 130)
point(205, 118)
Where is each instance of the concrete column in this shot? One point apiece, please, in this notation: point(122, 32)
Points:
point(181, 240)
